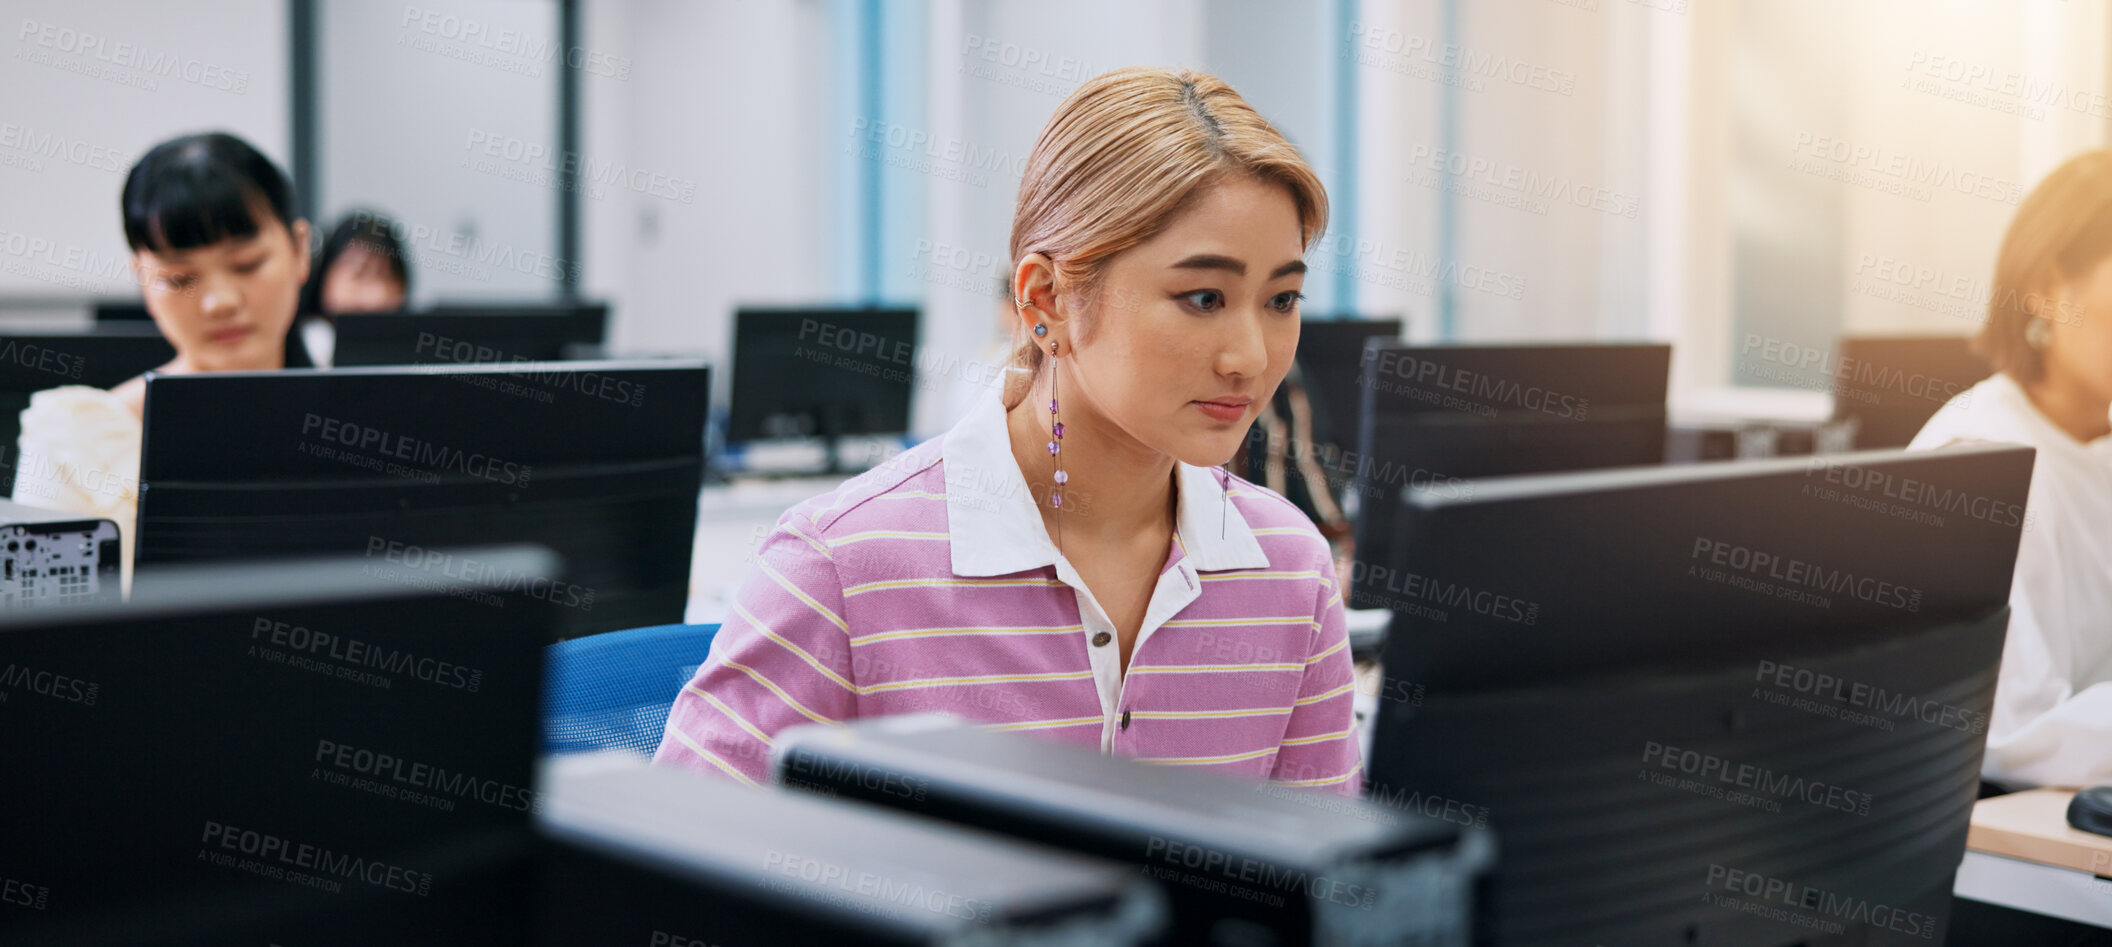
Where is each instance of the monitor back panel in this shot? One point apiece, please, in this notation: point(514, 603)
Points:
point(1331, 357)
point(1623, 804)
point(496, 335)
point(121, 310)
point(1442, 415)
point(263, 768)
point(1646, 680)
point(818, 372)
point(599, 461)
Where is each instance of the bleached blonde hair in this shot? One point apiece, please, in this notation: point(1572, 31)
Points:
point(1119, 159)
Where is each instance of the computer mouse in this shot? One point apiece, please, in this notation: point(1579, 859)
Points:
point(2091, 810)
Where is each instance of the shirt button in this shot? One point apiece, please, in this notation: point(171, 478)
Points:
point(1124, 725)
point(1100, 640)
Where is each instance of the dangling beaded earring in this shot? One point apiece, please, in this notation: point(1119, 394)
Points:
point(1055, 432)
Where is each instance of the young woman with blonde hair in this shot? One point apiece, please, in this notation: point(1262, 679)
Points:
point(2049, 334)
point(1070, 561)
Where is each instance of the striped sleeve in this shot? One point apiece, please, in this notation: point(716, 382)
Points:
point(782, 657)
point(1320, 748)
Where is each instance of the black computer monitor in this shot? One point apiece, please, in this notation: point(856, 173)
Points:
point(1307, 459)
point(1740, 703)
point(1441, 415)
point(601, 461)
point(125, 313)
point(652, 856)
point(293, 753)
point(120, 310)
point(470, 335)
point(1331, 360)
point(1242, 860)
point(827, 373)
point(1892, 385)
point(102, 357)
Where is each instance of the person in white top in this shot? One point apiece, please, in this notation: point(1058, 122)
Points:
point(2049, 335)
point(220, 258)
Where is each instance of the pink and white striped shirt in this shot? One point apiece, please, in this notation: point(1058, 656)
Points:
point(930, 584)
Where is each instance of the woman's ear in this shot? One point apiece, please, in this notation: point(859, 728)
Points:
point(303, 258)
point(1034, 295)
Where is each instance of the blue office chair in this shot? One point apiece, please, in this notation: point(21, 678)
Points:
point(613, 690)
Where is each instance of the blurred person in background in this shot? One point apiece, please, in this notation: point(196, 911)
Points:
point(2049, 335)
point(360, 268)
point(220, 258)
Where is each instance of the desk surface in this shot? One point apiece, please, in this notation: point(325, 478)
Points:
point(2021, 854)
point(2033, 826)
point(732, 519)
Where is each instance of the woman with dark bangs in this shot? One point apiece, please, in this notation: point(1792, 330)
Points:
point(220, 259)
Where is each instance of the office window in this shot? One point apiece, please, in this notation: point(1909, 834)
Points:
point(1877, 153)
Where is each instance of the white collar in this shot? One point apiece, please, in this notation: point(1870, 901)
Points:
point(994, 528)
point(2010, 403)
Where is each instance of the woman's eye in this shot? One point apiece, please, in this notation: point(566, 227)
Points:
point(1204, 299)
point(249, 267)
point(175, 282)
point(1286, 302)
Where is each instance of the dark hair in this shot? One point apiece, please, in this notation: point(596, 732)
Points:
point(369, 229)
point(198, 190)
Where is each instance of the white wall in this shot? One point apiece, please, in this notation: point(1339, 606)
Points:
point(1544, 168)
point(724, 96)
point(444, 116)
point(87, 88)
point(1398, 114)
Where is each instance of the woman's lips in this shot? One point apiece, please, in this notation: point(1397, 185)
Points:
point(1224, 412)
point(232, 335)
